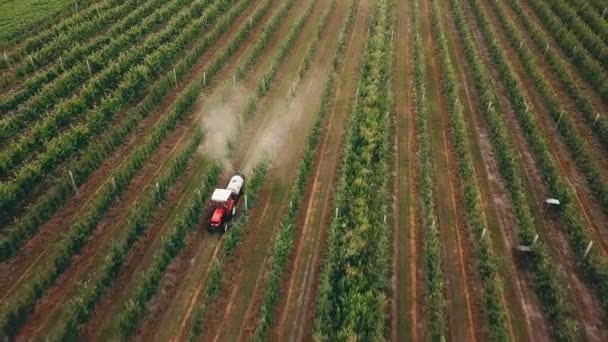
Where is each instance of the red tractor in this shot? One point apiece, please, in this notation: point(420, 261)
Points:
point(223, 202)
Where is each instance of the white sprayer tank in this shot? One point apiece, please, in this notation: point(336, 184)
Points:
point(235, 184)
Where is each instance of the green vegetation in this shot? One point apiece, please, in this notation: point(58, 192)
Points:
point(435, 298)
point(548, 283)
point(19, 18)
point(595, 265)
point(283, 243)
point(83, 301)
point(96, 153)
point(487, 262)
point(173, 242)
point(230, 241)
point(351, 302)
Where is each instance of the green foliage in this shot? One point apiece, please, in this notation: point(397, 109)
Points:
point(351, 302)
point(44, 50)
point(88, 294)
point(595, 265)
point(487, 261)
point(19, 306)
point(45, 88)
point(96, 154)
point(283, 243)
point(587, 66)
point(432, 258)
point(119, 80)
point(579, 149)
point(548, 283)
point(589, 40)
point(19, 18)
point(173, 242)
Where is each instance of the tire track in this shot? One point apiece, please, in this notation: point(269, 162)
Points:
point(404, 312)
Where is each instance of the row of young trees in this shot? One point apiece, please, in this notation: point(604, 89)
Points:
point(432, 259)
point(265, 84)
point(284, 241)
point(15, 311)
point(46, 87)
point(95, 154)
point(173, 242)
point(262, 42)
point(598, 124)
point(586, 36)
point(592, 18)
point(571, 136)
point(79, 136)
point(47, 27)
point(549, 284)
point(590, 68)
point(352, 303)
point(233, 237)
point(155, 53)
point(88, 293)
point(594, 265)
point(486, 259)
point(42, 52)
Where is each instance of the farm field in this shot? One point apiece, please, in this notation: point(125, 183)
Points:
point(413, 170)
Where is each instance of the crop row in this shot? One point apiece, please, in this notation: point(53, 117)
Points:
point(230, 241)
point(16, 310)
point(595, 264)
point(134, 310)
point(599, 124)
point(435, 297)
point(594, 44)
point(51, 49)
point(95, 154)
point(49, 85)
point(283, 243)
point(487, 261)
point(133, 85)
point(154, 54)
point(47, 27)
point(53, 93)
point(549, 284)
point(314, 45)
point(592, 18)
point(352, 303)
point(88, 293)
point(263, 40)
point(565, 125)
point(265, 84)
point(587, 66)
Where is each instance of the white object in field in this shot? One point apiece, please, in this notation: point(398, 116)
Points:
point(588, 249)
point(235, 184)
point(552, 201)
point(221, 195)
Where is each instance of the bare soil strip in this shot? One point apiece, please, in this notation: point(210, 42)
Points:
point(404, 315)
point(295, 311)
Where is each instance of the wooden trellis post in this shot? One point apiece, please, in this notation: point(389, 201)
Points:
point(73, 183)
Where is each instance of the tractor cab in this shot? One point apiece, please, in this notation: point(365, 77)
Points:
point(223, 203)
